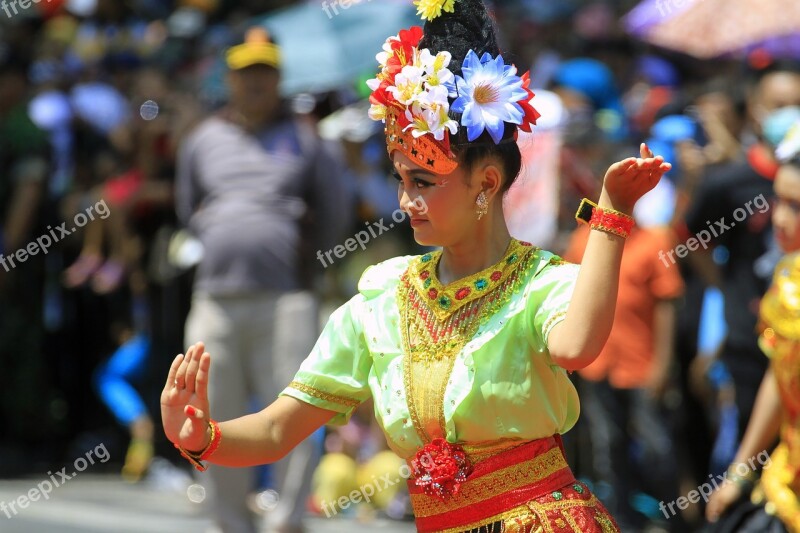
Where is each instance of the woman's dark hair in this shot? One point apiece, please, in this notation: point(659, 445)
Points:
point(471, 28)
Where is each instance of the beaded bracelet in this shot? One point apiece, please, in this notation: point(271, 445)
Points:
point(196, 458)
point(604, 219)
point(612, 221)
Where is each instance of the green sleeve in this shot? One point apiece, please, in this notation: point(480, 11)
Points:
point(550, 293)
point(335, 375)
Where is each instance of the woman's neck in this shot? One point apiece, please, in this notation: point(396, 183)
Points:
point(485, 247)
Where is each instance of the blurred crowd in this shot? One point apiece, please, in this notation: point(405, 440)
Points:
point(114, 127)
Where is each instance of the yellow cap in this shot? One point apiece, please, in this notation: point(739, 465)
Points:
point(257, 49)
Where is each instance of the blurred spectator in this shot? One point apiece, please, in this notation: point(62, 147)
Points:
point(24, 170)
point(750, 252)
point(263, 194)
point(624, 387)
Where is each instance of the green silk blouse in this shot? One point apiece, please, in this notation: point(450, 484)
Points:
point(500, 385)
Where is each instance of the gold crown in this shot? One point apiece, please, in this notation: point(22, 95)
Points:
point(256, 50)
point(425, 151)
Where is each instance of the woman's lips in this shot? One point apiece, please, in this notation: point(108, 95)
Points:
point(417, 221)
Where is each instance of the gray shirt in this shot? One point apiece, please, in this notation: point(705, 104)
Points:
point(261, 204)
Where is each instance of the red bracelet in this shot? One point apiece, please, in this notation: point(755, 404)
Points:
point(216, 438)
point(611, 221)
point(195, 458)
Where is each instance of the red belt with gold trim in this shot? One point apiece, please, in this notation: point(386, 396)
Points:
point(496, 484)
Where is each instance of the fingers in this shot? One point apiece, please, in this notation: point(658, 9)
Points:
point(191, 370)
point(201, 381)
point(181, 380)
point(180, 376)
point(173, 371)
point(645, 151)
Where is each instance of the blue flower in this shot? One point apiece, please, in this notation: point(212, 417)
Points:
point(489, 93)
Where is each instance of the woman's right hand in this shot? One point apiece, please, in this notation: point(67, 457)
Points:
point(184, 400)
point(721, 499)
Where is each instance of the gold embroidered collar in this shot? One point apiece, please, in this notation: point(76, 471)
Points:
point(445, 300)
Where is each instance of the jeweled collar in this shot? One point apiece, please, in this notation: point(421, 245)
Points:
point(445, 300)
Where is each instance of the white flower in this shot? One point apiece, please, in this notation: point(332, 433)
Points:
point(429, 114)
point(436, 68)
point(408, 85)
point(378, 112)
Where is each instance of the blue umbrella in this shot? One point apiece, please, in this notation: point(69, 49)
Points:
point(326, 46)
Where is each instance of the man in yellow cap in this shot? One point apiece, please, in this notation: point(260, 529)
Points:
point(262, 193)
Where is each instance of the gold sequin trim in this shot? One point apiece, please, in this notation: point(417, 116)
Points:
point(563, 506)
point(552, 320)
point(519, 519)
point(433, 341)
point(322, 395)
point(474, 491)
point(446, 300)
point(776, 485)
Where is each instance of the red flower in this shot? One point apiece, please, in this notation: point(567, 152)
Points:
point(462, 293)
point(440, 468)
point(403, 50)
point(531, 115)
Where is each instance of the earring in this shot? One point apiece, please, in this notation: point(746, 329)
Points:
point(483, 205)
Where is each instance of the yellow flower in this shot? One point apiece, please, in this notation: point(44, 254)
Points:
point(431, 9)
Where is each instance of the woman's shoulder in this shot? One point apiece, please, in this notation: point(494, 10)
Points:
point(545, 261)
point(383, 276)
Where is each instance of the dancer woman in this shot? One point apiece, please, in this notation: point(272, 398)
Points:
point(464, 351)
point(775, 501)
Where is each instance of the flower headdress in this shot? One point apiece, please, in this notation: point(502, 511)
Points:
point(415, 93)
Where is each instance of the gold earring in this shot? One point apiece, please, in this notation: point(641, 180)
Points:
point(483, 205)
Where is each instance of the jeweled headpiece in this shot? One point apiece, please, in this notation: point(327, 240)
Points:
point(415, 93)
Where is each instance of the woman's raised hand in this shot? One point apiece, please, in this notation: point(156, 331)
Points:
point(184, 400)
point(632, 178)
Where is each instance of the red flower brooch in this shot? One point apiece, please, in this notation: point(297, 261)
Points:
point(440, 468)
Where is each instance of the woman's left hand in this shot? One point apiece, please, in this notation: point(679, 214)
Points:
point(632, 178)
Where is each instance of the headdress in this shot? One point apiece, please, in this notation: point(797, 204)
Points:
point(419, 97)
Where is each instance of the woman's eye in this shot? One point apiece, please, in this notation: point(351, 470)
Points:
point(421, 184)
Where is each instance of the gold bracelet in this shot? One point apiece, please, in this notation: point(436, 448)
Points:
point(195, 457)
point(748, 479)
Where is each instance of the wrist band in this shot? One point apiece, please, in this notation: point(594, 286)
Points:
point(742, 481)
point(208, 451)
point(604, 219)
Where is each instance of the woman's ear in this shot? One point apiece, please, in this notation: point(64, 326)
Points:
point(490, 178)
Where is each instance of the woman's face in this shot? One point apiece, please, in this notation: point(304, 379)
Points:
point(441, 207)
point(786, 216)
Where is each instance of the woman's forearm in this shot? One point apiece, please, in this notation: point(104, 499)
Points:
point(267, 436)
point(578, 339)
point(765, 420)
